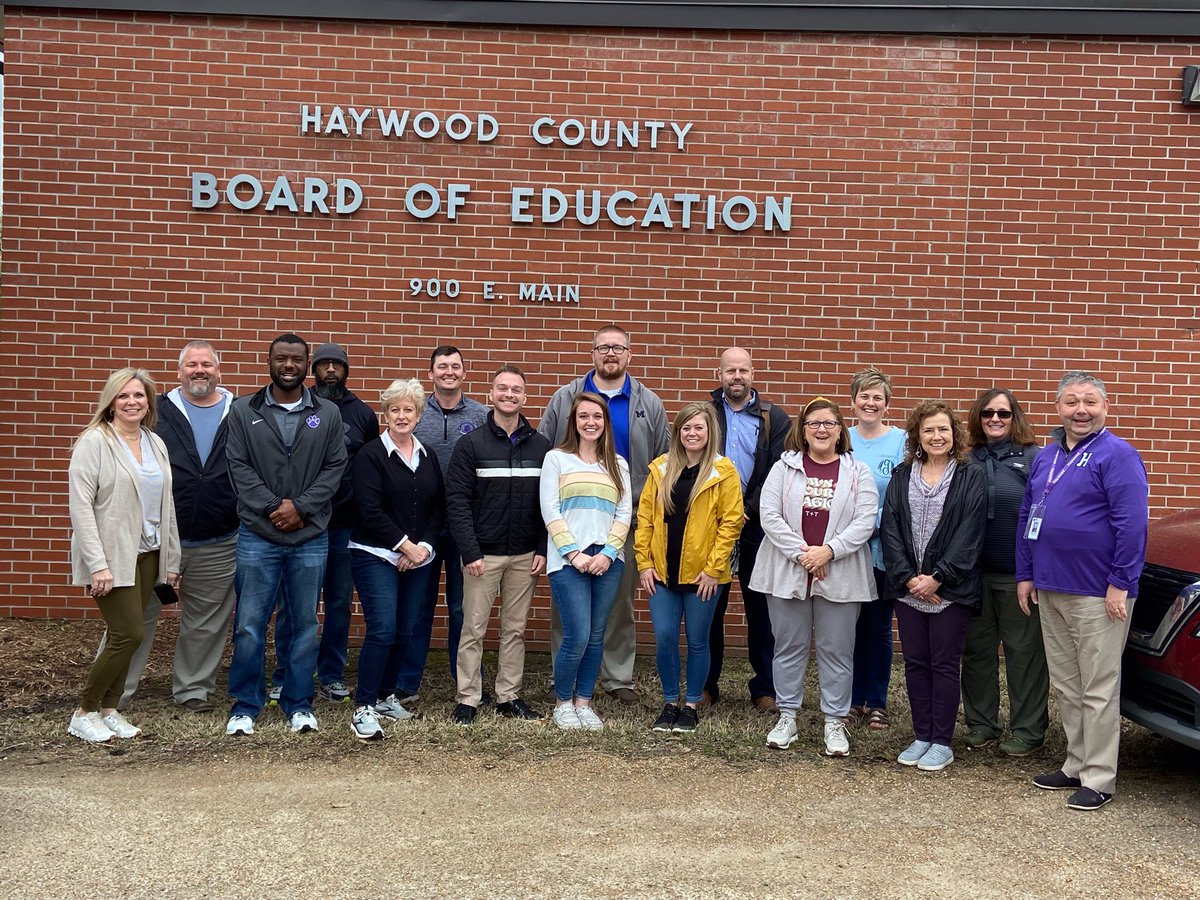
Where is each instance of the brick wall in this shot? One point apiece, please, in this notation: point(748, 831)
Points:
point(967, 212)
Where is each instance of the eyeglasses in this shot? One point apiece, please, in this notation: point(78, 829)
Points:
point(996, 414)
point(821, 426)
point(611, 348)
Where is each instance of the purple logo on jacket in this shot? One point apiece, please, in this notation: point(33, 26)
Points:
point(313, 421)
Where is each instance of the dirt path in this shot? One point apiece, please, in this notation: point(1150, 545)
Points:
point(422, 823)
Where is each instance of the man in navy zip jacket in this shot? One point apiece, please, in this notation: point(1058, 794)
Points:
point(287, 452)
point(191, 422)
point(495, 517)
point(1081, 544)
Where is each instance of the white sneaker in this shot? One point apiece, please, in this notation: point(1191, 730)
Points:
point(837, 742)
point(90, 727)
point(303, 721)
point(120, 726)
point(365, 724)
point(393, 709)
point(410, 698)
point(565, 716)
point(588, 719)
point(783, 735)
point(239, 725)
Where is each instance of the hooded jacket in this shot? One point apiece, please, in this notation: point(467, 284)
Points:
point(205, 501)
point(849, 577)
point(648, 432)
point(714, 521)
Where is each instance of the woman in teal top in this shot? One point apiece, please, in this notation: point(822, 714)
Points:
point(881, 447)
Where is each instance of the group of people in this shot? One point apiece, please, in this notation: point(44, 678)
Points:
point(964, 531)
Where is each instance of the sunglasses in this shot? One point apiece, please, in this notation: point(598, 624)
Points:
point(996, 414)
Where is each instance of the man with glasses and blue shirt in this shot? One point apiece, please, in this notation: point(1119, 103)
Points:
point(640, 430)
point(287, 450)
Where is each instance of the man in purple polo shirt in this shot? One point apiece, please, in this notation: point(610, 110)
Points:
point(1081, 543)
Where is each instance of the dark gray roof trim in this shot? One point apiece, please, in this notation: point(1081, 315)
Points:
point(1175, 18)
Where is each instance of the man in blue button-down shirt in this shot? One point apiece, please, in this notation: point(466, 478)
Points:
point(753, 432)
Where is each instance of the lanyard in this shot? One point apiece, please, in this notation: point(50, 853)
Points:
point(1052, 479)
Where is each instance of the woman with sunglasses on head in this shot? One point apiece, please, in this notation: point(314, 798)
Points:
point(818, 510)
point(1003, 447)
point(933, 517)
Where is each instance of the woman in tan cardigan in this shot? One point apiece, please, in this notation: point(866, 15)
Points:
point(124, 539)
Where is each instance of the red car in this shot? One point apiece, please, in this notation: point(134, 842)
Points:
point(1160, 677)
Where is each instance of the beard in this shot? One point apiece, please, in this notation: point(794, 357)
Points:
point(200, 389)
point(327, 391)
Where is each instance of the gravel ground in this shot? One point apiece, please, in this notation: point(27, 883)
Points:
point(427, 823)
point(507, 809)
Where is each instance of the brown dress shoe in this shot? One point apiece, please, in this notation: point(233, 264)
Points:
point(197, 705)
point(628, 696)
point(766, 706)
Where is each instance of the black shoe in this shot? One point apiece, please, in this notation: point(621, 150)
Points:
point(1056, 781)
point(1087, 799)
point(463, 714)
point(518, 709)
point(667, 718)
point(688, 719)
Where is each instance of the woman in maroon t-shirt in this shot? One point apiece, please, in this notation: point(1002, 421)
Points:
point(818, 513)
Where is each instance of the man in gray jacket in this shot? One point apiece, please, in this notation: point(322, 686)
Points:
point(286, 451)
point(640, 430)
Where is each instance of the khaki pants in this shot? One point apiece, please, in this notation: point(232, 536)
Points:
point(1083, 654)
point(510, 577)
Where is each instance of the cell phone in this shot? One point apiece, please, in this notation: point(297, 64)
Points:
point(166, 594)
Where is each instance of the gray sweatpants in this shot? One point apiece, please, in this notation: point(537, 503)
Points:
point(794, 623)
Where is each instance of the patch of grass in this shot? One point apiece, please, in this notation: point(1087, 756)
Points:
point(46, 662)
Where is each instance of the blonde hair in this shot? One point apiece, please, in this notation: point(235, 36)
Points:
point(677, 459)
point(403, 389)
point(606, 453)
point(103, 416)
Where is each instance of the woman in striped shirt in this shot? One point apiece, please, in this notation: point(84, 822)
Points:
point(587, 505)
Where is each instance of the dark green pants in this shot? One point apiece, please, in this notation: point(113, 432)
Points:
point(1001, 623)
point(122, 611)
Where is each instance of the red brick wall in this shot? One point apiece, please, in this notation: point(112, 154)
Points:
point(968, 212)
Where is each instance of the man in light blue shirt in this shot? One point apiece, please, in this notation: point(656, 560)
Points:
point(753, 432)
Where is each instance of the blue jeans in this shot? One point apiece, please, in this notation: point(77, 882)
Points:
point(267, 571)
point(667, 609)
point(873, 651)
point(412, 664)
point(391, 602)
point(584, 603)
point(335, 630)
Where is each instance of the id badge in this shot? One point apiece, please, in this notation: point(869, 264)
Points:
point(1033, 526)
